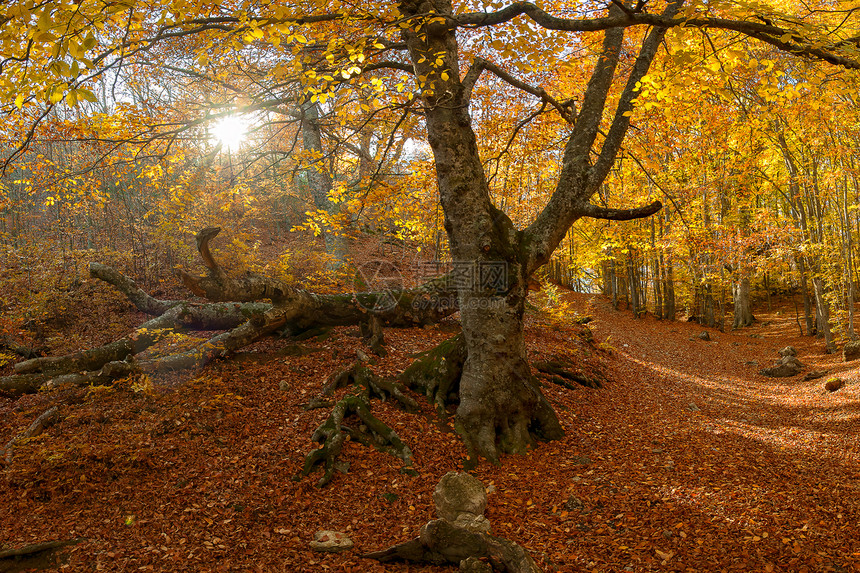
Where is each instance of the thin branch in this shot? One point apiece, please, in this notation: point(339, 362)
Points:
point(660, 187)
point(565, 109)
point(517, 128)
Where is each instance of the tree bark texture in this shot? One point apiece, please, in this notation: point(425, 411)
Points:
point(743, 314)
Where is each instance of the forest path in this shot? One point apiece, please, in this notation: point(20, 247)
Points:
point(739, 470)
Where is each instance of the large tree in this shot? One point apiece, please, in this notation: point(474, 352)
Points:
point(425, 57)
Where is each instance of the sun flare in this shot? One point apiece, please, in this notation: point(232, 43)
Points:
point(230, 132)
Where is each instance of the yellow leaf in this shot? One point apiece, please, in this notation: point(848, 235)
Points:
point(19, 101)
point(86, 95)
point(56, 94)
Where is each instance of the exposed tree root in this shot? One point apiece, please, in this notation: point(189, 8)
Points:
point(441, 542)
point(371, 432)
point(436, 373)
point(360, 376)
point(558, 373)
point(371, 331)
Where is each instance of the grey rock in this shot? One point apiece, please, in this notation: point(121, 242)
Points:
point(815, 374)
point(788, 351)
point(472, 522)
point(580, 461)
point(785, 367)
point(284, 385)
point(458, 493)
point(704, 336)
point(851, 351)
point(693, 408)
point(331, 542)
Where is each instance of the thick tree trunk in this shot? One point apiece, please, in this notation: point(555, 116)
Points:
point(501, 408)
point(743, 314)
point(499, 398)
point(706, 306)
point(823, 313)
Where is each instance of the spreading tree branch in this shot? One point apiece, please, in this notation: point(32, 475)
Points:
point(784, 38)
point(595, 212)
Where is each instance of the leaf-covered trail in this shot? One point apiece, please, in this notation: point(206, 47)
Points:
point(722, 467)
point(695, 462)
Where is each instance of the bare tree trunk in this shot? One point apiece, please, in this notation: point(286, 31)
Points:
point(633, 282)
point(824, 313)
point(669, 287)
point(320, 180)
point(743, 314)
point(807, 303)
point(849, 260)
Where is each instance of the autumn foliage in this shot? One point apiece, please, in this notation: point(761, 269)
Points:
point(638, 164)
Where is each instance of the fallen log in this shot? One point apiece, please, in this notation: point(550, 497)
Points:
point(238, 309)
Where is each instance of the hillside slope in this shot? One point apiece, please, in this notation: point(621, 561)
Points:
point(694, 461)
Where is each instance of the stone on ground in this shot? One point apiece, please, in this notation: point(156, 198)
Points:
point(834, 384)
point(331, 542)
point(458, 493)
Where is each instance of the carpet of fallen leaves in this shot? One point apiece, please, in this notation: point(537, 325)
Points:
point(686, 460)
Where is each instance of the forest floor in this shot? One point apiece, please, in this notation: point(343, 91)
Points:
point(695, 462)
